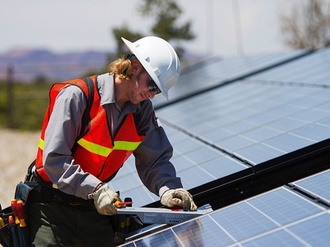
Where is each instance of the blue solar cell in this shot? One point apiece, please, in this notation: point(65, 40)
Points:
point(258, 153)
point(203, 154)
point(273, 239)
point(165, 238)
point(222, 167)
point(126, 184)
point(215, 135)
point(314, 132)
point(324, 107)
point(314, 231)
point(311, 115)
point(242, 221)
point(283, 206)
point(202, 232)
point(236, 143)
point(182, 162)
point(239, 127)
point(262, 118)
point(194, 177)
point(288, 110)
point(286, 124)
point(317, 184)
point(260, 134)
point(186, 145)
point(288, 142)
point(175, 136)
point(325, 122)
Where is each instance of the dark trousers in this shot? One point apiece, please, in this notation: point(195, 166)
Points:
point(65, 224)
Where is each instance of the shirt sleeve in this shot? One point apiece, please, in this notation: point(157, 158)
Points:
point(60, 136)
point(153, 155)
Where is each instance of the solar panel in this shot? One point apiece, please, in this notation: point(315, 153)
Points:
point(280, 217)
point(217, 70)
point(255, 119)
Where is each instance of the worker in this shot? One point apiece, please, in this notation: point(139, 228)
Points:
point(72, 203)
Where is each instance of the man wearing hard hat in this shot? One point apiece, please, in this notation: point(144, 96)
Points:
point(91, 127)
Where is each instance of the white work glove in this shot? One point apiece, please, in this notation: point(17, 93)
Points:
point(104, 199)
point(178, 197)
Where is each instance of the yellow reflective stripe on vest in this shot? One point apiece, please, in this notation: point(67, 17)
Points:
point(41, 144)
point(105, 151)
point(94, 148)
point(129, 146)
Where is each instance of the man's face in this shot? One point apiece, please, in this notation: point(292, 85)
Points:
point(139, 89)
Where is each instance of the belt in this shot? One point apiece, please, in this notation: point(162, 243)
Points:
point(47, 194)
point(44, 192)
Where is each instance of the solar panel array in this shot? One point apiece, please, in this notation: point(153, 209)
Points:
point(281, 217)
point(251, 116)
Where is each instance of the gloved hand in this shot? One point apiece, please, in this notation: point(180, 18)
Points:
point(104, 199)
point(178, 197)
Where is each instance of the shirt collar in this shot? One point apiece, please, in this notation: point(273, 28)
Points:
point(105, 85)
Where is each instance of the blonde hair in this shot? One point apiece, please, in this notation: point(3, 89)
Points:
point(122, 68)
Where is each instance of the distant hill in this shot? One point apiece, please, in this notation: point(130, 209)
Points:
point(30, 64)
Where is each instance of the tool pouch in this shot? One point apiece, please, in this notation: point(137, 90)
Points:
point(22, 191)
point(5, 234)
point(14, 235)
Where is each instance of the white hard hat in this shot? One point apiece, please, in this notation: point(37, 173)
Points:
point(159, 59)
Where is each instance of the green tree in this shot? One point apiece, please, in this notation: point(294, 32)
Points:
point(124, 31)
point(307, 26)
point(166, 14)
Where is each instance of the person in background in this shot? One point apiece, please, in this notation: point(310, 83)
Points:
point(91, 127)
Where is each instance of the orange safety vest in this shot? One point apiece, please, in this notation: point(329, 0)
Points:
point(95, 151)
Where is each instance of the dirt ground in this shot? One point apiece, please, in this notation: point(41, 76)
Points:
point(17, 151)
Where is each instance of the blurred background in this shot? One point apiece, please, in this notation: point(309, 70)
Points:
point(44, 42)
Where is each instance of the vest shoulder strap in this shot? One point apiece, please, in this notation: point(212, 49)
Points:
point(86, 115)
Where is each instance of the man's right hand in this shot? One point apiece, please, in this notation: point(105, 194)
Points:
point(104, 199)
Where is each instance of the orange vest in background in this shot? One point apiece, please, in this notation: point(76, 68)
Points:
point(95, 152)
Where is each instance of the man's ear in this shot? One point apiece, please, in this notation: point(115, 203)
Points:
point(136, 65)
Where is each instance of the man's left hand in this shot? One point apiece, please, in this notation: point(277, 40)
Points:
point(178, 197)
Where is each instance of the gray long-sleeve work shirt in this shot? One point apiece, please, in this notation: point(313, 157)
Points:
point(152, 157)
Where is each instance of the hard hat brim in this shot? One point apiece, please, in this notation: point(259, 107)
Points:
point(145, 65)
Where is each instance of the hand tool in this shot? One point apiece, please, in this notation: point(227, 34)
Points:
point(13, 230)
point(4, 231)
point(20, 213)
point(18, 226)
point(120, 204)
point(2, 222)
point(164, 215)
point(14, 208)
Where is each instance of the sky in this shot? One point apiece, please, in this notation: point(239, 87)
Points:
point(222, 27)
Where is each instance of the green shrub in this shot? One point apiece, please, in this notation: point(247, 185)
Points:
point(27, 107)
